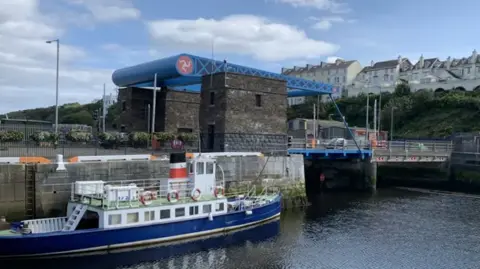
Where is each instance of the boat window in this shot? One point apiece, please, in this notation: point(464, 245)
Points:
point(200, 168)
point(193, 210)
point(209, 168)
point(132, 217)
point(180, 212)
point(165, 214)
point(219, 207)
point(149, 215)
point(114, 219)
point(207, 208)
point(190, 168)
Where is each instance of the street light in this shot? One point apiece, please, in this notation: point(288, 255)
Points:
point(391, 122)
point(56, 87)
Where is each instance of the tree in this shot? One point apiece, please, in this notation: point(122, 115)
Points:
point(402, 89)
point(81, 117)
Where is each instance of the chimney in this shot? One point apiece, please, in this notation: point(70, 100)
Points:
point(474, 56)
point(399, 59)
point(309, 66)
point(449, 62)
point(178, 167)
point(421, 62)
point(372, 63)
point(284, 69)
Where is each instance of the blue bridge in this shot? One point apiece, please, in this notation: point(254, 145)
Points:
point(185, 72)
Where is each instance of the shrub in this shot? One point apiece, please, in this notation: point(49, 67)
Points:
point(78, 136)
point(11, 136)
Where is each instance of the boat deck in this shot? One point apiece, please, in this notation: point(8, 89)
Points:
point(7, 233)
point(105, 205)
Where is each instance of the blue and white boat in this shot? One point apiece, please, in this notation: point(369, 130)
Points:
point(103, 216)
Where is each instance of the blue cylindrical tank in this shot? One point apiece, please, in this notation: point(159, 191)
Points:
point(145, 72)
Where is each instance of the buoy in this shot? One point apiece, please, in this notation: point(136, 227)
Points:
point(173, 196)
point(219, 192)
point(147, 197)
point(196, 194)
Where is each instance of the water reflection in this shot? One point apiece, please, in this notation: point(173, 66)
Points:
point(391, 229)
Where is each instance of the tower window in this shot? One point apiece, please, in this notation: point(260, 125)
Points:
point(258, 100)
point(212, 98)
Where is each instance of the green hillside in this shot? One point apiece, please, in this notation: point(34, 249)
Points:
point(419, 114)
point(73, 113)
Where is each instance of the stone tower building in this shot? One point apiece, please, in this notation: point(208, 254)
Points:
point(243, 113)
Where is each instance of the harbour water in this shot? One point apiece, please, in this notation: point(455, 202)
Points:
point(392, 229)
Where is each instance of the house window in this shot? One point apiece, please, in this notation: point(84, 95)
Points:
point(149, 215)
point(212, 98)
point(344, 79)
point(258, 100)
point(184, 130)
point(209, 168)
point(219, 207)
point(385, 77)
point(124, 106)
point(179, 212)
point(200, 168)
point(207, 208)
point(165, 214)
point(114, 219)
point(132, 217)
point(193, 210)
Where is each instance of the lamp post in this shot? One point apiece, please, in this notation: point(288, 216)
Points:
point(391, 122)
point(56, 82)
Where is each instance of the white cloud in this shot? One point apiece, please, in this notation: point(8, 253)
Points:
point(240, 34)
point(28, 64)
point(109, 10)
point(332, 59)
point(326, 23)
point(333, 6)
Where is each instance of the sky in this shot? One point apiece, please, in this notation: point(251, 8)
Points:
point(99, 36)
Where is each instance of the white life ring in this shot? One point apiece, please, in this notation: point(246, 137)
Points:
point(196, 194)
point(173, 196)
point(147, 198)
point(219, 192)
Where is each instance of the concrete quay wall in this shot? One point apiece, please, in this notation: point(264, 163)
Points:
point(53, 188)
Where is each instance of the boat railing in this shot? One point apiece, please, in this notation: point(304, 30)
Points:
point(126, 194)
point(47, 225)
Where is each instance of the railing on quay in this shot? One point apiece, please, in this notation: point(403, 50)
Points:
point(268, 144)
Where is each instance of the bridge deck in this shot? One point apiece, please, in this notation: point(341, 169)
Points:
point(383, 151)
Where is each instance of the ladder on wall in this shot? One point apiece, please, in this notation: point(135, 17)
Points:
point(30, 195)
point(75, 218)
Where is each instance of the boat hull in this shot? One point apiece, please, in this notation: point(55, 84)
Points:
point(64, 243)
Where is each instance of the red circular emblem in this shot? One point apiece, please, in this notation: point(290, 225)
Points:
point(185, 65)
point(322, 177)
point(177, 144)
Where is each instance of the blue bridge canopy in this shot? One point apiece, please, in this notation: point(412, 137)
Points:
point(186, 69)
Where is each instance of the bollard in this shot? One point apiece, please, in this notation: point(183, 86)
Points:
point(60, 164)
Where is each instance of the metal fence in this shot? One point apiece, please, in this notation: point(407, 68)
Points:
point(232, 142)
point(393, 146)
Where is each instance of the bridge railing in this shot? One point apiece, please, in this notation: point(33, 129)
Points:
point(423, 146)
point(379, 146)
